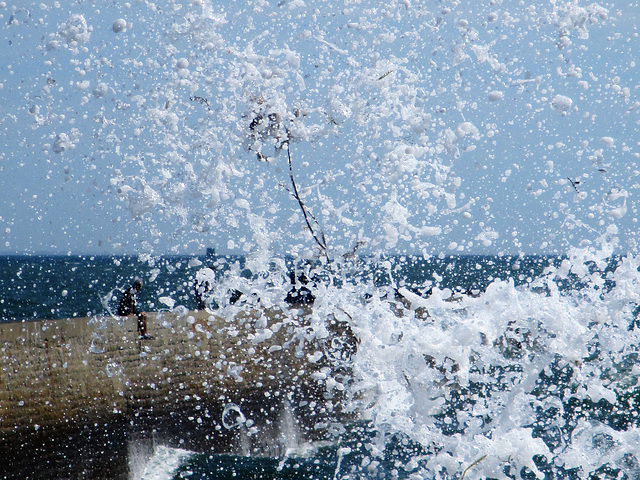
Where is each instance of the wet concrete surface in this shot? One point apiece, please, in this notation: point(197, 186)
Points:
point(78, 396)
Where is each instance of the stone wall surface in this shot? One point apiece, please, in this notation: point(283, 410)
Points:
point(75, 393)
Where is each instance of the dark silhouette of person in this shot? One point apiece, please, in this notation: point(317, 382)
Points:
point(203, 288)
point(299, 293)
point(129, 307)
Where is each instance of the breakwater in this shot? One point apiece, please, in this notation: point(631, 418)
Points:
point(78, 396)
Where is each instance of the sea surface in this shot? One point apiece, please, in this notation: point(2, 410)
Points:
point(52, 287)
point(466, 367)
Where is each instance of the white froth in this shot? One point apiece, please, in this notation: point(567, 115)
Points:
point(608, 141)
point(474, 333)
point(161, 465)
point(561, 103)
point(100, 90)
point(495, 95)
point(75, 30)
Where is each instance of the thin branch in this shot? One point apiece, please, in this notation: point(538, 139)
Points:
point(388, 73)
point(574, 184)
point(293, 194)
point(352, 253)
point(320, 240)
point(471, 466)
point(200, 100)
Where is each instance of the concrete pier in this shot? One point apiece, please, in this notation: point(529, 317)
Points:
point(77, 395)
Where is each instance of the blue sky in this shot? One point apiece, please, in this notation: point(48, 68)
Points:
point(415, 127)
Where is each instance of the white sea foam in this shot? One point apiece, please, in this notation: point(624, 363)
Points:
point(593, 445)
point(407, 368)
point(161, 464)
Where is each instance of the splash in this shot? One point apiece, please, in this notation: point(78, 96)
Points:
point(160, 465)
point(385, 127)
point(340, 132)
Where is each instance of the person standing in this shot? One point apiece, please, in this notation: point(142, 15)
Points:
point(203, 288)
point(299, 293)
point(128, 306)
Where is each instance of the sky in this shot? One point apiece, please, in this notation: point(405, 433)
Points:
point(412, 127)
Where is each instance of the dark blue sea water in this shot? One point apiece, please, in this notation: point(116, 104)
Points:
point(52, 287)
point(350, 457)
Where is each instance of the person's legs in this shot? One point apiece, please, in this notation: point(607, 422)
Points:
point(142, 324)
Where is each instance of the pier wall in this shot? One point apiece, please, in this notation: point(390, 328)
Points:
point(76, 394)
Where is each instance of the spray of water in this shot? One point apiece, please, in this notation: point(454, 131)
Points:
point(338, 130)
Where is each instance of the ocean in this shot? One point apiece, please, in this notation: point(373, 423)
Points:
point(51, 287)
point(466, 366)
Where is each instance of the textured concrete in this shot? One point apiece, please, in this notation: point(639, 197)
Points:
point(76, 393)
